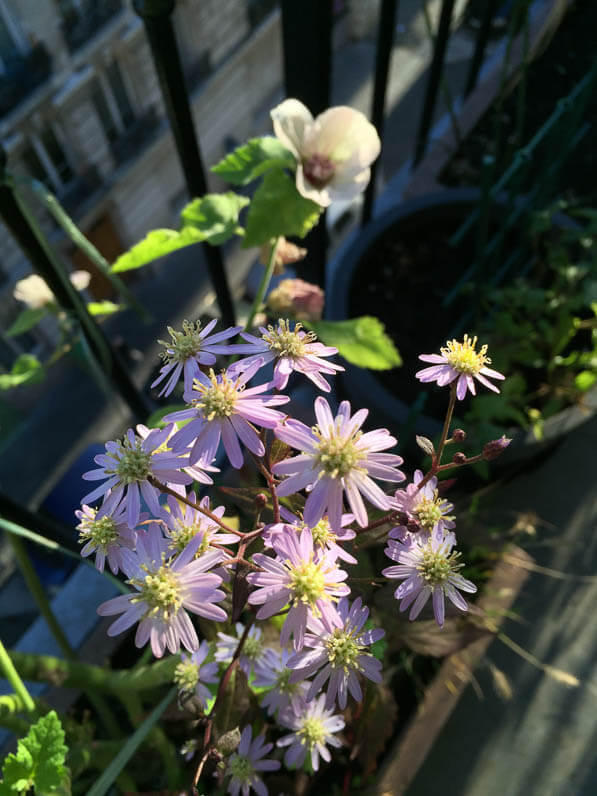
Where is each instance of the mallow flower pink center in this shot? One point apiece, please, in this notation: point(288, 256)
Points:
point(318, 170)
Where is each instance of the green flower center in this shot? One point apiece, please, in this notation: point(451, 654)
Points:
point(463, 357)
point(429, 511)
point(283, 683)
point(160, 590)
point(286, 342)
point(184, 345)
point(240, 767)
point(342, 650)
point(102, 532)
point(307, 583)
point(436, 567)
point(181, 536)
point(322, 534)
point(218, 399)
point(186, 675)
point(253, 648)
point(312, 732)
point(337, 456)
point(133, 463)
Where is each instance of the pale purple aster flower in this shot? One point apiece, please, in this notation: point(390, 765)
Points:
point(428, 568)
point(244, 764)
point(290, 349)
point(183, 522)
point(105, 534)
point(165, 590)
point(192, 673)
point(189, 349)
point(324, 537)
point(314, 729)
point(460, 361)
point(271, 671)
point(127, 466)
point(339, 655)
point(422, 506)
point(337, 457)
point(252, 651)
point(196, 471)
point(308, 580)
point(222, 408)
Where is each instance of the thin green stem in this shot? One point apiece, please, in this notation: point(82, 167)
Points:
point(437, 458)
point(14, 679)
point(263, 285)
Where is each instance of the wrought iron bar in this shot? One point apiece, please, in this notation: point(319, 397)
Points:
point(480, 45)
point(33, 243)
point(439, 53)
point(385, 39)
point(307, 40)
point(157, 18)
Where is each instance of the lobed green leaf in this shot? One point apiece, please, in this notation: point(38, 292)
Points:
point(361, 341)
point(253, 159)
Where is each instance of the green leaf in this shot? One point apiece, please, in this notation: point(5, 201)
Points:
point(253, 159)
point(102, 307)
point(361, 341)
point(26, 369)
point(278, 209)
point(39, 759)
point(26, 320)
point(155, 244)
point(585, 380)
point(214, 216)
point(155, 419)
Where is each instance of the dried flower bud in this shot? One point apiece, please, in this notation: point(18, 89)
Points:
point(297, 298)
point(260, 500)
point(459, 458)
point(493, 449)
point(227, 743)
point(458, 435)
point(425, 444)
point(286, 254)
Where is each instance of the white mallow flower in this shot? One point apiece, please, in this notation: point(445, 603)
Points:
point(35, 293)
point(333, 151)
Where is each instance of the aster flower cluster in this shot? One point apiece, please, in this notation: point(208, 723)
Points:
point(280, 592)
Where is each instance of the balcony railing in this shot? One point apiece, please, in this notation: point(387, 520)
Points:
point(80, 24)
point(22, 75)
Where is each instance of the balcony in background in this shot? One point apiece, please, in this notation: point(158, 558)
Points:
point(80, 23)
point(22, 75)
point(136, 137)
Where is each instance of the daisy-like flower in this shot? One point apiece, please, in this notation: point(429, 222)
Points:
point(290, 349)
point(105, 534)
point(428, 568)
point(337, 457)
point(197, 471)
point(324, 538)
point(271, 671)
point(189, 349)
point(222, 408)
point(333, 151)
point(313, 729)
point(252, 651)
point(191, 674)
point(165, 589)
point(308, 580)
point(244, 765)
point(339, 655)
point(460, 361)
point(423, 507)
point(127, 466)
point(183, 523)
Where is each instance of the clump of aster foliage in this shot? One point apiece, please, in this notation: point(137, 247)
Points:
point(303, 638)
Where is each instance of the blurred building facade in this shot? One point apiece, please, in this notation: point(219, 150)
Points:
point(81, 111)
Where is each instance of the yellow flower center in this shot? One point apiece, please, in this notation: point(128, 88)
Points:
point(160, 590)
point(286, 342)
point(102, 532)
point(336, 455)
point(218, 399)
point(343, 650)
point(307, 583)
point(429, 511)
point(463, 357)
point(186, 675)
point(312, 732)
point(436, 567)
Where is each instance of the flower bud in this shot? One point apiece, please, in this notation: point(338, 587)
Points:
point(260, 500)
point(458, 435)
point(459, 458)
point(297, 298)
point(286, 254)
point(493, 449)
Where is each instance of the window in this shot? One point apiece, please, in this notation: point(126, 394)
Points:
point(112, 103)
point(45, 160)
point(127, 114)
point(57, 156)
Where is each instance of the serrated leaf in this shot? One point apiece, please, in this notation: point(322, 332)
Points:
point(361, 341)
point(253, 159)
point(156, 243)
point(102, 307)
point(214, 216)
point(26, 320)
point(277, 208)
point(26, 369)
point(39, 760)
